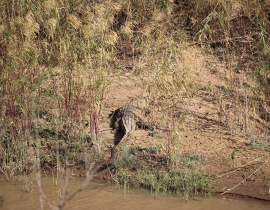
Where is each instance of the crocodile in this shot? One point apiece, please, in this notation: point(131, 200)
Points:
point(125, 119)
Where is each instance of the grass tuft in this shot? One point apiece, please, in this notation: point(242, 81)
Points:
point(134, 168)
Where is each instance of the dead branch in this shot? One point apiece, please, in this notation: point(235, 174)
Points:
point(228, 190)
point(238, 168)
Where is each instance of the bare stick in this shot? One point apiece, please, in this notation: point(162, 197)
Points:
point(112, 175)
point(238, 168)
point(89, 176)
point(64, 190)
point(107, 129)
point(246, 178)
point(42, 196)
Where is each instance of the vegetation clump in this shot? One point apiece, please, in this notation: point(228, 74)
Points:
point(146, 170)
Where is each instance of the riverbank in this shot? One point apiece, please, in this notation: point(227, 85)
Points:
point(203, 64)
point(236, 161)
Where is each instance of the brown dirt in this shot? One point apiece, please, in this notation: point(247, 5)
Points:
point(221, 139)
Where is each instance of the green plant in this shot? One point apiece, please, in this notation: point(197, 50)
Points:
point(260, 146)
point(135, 171)
point(152, 131)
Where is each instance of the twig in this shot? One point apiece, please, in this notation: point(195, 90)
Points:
point(89, 176)
point(41, 193)
point(239, 38)
point(112, 175)
point(245, 178)
point(107, 129)
point(238, 168)
point(64, 190)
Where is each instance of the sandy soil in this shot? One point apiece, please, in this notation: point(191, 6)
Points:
point(211, 129)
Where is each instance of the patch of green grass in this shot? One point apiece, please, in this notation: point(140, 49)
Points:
point(192, 160)
point(260, 146)
point(152, 130)
point(153, 174)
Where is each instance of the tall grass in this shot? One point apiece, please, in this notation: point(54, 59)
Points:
point(238, 32)
point(55, 59)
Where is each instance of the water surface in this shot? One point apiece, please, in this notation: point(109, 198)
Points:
point(103, 196)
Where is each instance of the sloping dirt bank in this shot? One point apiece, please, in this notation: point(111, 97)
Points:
point(210, 128)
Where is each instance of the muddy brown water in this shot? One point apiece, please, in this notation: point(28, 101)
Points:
point(104, 196)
